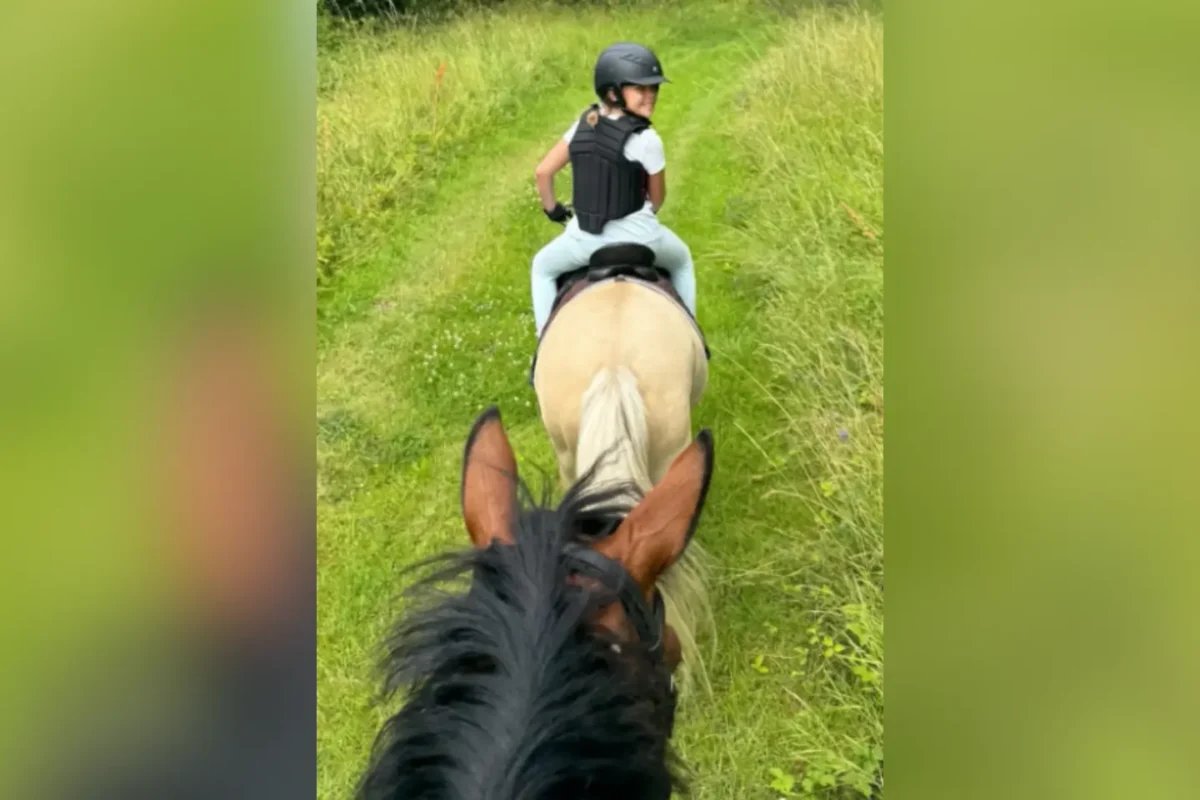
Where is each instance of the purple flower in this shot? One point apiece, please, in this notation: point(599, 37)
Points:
point(843, 434)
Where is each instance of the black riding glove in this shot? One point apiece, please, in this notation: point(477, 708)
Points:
point(559, 213)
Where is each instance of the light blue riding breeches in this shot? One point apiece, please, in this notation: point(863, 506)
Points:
point(568, 252)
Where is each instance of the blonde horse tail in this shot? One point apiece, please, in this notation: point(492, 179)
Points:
point(614, 441)
point(613, 436)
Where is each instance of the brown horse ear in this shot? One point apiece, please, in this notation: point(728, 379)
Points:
point(489, 482)
point(659, 528)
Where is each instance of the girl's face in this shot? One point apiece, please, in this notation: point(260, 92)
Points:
point(640, 99)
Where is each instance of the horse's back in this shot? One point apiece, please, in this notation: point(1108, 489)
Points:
point(626, 324)
point(622, 323)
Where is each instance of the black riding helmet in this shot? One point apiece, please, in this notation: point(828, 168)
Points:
point(624, 63)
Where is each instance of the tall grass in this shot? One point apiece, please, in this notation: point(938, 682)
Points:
point(811, 135)
point(399, 105)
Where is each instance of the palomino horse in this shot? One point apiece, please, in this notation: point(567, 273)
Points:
point(551, 676)
point(619, 367)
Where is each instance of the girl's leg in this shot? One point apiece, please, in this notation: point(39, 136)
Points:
point(559, 256)
point(675, 257)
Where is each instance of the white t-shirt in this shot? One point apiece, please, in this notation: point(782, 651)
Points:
point(646, 148)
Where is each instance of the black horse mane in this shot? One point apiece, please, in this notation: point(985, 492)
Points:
point(511, 691)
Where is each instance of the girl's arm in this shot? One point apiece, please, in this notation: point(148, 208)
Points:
point(558, 157)
point(657, 189)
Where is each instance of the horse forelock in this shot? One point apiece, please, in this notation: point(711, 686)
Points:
point(510, 690)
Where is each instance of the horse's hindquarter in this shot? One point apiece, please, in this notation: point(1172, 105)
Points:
point(615, 324)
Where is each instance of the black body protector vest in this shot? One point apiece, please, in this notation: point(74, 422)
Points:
point(606, 185)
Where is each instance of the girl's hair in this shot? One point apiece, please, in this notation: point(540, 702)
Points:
point(611, 100)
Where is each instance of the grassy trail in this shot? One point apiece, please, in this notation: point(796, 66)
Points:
point(426, 320)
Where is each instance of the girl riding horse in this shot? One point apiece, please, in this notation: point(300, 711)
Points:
point(619, 182)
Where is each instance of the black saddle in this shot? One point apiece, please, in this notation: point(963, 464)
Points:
point(628, 259)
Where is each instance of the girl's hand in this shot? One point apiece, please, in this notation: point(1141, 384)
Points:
point(559, 213)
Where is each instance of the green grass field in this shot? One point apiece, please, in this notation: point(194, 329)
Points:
point(773, 127)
